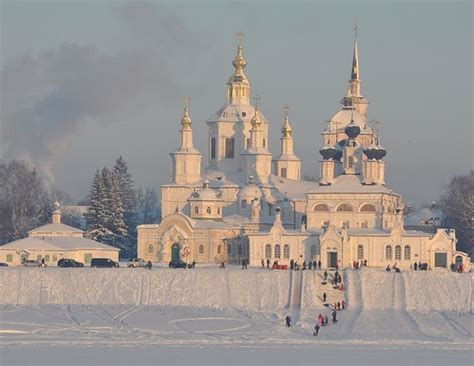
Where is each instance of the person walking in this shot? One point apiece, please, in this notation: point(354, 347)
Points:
point(262, 263)
point(325, 274)
point(324, 297)
point(319, 264)
point(315, 264)
point(244, 264)
point(316, 330)
point(288, 321)
point(343, 304)
point(334, 315)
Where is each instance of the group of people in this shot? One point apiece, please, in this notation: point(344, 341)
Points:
point(359, 264)
point(459, 268)
point(420, 266)
point(311, 265)
point(394, 267)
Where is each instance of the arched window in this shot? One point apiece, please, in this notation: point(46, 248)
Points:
point(218, 210)
point(286, 251)
point(407, 253)
point(313, 251)
point(201, 249)
point(209, 210)
point(388, 252)
point(244, 204)
point(367, 208)
point(344, 207)
point(196, 209)
point(321, 207)
point(240, 248)
point(219, 249)
point(360, 252)
point(398, 252)
point(150, 248)
point(277, 250)
point(268, 251)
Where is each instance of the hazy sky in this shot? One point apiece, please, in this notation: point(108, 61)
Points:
point(86, 81)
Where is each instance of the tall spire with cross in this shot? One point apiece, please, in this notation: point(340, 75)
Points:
point(355, 75)
point(238, 91)
point(287, 165)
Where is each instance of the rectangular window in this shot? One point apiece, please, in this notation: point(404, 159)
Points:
point(213, 148)
point(283, 172)
point(229, 148)
point(364, 224)
point(9, 257)
point(248, 143)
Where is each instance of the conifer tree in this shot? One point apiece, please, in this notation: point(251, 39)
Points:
point(128, 195)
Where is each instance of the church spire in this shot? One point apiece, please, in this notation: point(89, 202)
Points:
point(186, 130)
point(238, 90)
point(355, 58)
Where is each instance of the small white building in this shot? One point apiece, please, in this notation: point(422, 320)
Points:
point(53, 242)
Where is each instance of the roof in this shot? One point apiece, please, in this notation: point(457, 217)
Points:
point(236, 113)
point(344, 117)
point(423, 217)
point(58, 228)
point(351, 184)
point(55, 243)
point(295, 189)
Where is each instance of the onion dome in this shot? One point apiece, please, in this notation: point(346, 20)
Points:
point(380, 153)
point(328, 152)
point(286, 130)
point(239, 61)
point(352, 130)
point(370, 151)
point(186, 120)
point(256, 121)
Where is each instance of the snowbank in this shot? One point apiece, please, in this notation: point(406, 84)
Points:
point(250, 290)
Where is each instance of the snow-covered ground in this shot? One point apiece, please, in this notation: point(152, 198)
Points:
point(212, 316)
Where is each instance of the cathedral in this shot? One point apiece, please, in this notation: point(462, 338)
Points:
point(250, 204)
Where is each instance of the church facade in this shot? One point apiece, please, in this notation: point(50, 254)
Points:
point(250, 204)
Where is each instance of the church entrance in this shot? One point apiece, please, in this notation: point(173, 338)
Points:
point(458, 261)
point(441, 260)
point(332, 259)
point(175, 252)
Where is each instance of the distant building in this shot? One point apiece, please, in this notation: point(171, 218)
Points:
point(53, 242)
point(249, 204)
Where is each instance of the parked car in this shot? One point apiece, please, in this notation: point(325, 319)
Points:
point(66, 262)
point(136, 262)
point(104, 263)
point(3, 264)
point(178, 264)
point(31, 263)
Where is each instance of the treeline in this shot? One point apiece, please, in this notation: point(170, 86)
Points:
point(115, 206)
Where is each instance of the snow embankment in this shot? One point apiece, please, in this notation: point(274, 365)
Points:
point(230, 288)
point(421, 291)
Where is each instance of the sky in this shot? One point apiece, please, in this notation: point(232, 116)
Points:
point(83, 82)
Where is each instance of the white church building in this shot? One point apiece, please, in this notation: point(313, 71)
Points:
point(250, 204)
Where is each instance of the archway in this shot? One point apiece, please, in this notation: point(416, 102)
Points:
point(175, 252)
point(458, 260)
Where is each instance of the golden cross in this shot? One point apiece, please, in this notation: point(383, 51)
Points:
point(186, 101)
point(240, 35)
point(255, 99)
point(285, 108)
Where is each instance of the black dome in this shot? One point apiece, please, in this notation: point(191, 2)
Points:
point(328, 152)
point(370, 152)
point(352, 130)
point(380, 153)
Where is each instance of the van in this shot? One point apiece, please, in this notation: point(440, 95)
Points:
point(103, 263)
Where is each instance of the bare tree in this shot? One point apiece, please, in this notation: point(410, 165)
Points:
point(24, 202)
point(458, 206)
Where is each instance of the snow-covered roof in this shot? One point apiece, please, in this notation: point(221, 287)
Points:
point(55, 228)
point(294, 189)
point(423, 216)
point(351, 184)
point(236, 112)
point(55, 243)
point(344, 117)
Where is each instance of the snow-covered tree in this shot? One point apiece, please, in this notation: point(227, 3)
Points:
point(148, 207)
point(127, 195)
point(458, 206)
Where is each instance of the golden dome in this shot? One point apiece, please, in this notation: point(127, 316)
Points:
point(286, 130)
point(256, 121)
point(239, 61)
point(186, 120)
